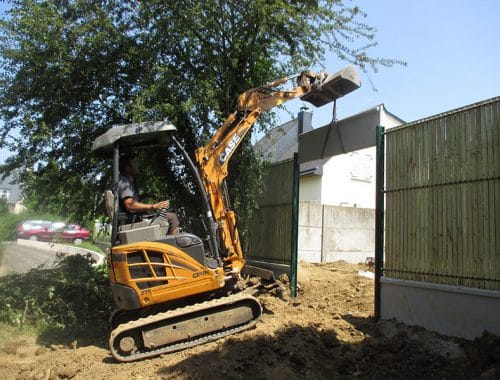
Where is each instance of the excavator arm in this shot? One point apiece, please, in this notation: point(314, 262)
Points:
point(213, 158)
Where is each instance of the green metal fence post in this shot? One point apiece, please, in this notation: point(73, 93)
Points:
point(379, 216)
point(295, 226)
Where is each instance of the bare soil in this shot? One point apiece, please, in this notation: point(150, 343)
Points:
point(327, 332)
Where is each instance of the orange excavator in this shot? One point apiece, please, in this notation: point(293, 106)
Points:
point(177, 291)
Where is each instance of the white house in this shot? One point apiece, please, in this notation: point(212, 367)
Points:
point(11, 192)
point(343, 180)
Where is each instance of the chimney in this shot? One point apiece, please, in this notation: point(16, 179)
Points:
point(305, 120)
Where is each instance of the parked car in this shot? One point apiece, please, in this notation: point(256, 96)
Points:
point(31, 228)
point(72, 232)
point(55, 232)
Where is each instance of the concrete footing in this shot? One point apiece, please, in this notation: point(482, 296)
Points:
point(449, 310)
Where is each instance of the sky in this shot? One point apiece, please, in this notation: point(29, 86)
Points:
point(452, 52)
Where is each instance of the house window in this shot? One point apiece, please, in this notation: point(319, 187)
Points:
point(361, 167)
point(4, 194)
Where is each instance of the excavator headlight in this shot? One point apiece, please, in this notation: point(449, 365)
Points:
point(329, 88)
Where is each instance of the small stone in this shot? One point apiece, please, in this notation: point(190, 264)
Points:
point(284, 278)
point(67, 373)
point(10, 349)
point(40, 351)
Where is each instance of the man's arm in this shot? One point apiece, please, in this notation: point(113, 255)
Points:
point(135, 206)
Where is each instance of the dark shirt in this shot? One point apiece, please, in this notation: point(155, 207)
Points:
point(125, 188)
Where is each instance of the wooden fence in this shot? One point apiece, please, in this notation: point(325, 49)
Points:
point(443, 198)
point(270, 235)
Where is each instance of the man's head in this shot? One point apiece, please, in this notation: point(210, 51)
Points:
point(128, 165)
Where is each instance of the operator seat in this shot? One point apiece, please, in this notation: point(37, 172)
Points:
point(145, 230)
point(155, 229)
point(109, 200)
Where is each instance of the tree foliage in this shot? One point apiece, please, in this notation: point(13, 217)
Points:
point(73, 68)
point(4, 207)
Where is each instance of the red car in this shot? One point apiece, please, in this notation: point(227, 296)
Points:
point(31, 228)
point(54, 232)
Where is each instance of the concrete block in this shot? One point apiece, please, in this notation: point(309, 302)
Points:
point(353, 257)
point(342, 239)
point(310, 214)
point(349, 217)
point(309, 256)
point(450, 310)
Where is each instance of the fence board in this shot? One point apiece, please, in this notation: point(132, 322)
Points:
point(459, 143)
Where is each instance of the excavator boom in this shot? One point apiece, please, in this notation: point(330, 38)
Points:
point(212, 159)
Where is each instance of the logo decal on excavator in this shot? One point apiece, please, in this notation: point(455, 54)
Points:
point(202, 273)
point(233, 143)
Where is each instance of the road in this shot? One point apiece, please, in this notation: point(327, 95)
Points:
point(20, 259)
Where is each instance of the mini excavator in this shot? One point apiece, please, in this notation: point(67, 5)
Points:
point(171, 291)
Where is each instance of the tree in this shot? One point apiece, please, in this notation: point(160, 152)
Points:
point(73, 68)
point(68, 70)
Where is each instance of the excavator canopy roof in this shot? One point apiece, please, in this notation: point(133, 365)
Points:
point(134, 135)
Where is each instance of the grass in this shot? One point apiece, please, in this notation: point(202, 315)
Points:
point(85, 245)
point(90, 246)
point(9, 334)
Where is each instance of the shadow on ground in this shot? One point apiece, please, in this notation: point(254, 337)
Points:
point(297, 352)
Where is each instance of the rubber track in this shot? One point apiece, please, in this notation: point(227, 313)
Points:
point(207, 305)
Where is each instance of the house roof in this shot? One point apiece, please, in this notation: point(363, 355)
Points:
point(8, 183)
point(279, 143)
point(313, 167)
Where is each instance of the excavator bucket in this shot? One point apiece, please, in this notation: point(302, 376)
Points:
point(333, 87)
point(263, 273)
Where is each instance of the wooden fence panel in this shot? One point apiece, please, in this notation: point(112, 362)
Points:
point(443, 198)
point(270, 232)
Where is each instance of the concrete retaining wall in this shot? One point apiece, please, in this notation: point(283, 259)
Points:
point(332, 233)
point(450, 310)
point(63, 249)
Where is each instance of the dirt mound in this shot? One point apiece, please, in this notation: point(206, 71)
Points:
point(326, 332)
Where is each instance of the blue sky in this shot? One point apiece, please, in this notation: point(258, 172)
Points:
point(451, 48)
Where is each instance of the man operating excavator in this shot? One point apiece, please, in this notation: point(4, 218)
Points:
point(129, 197)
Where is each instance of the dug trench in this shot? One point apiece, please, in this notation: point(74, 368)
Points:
point(326, 332)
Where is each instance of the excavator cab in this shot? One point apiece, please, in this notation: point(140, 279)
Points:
point(123, 138)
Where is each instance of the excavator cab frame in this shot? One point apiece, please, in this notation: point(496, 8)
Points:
point(123, 138)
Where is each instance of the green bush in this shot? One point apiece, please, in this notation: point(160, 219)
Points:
point(8, 223)
point(72, 298)
point(4, 208)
